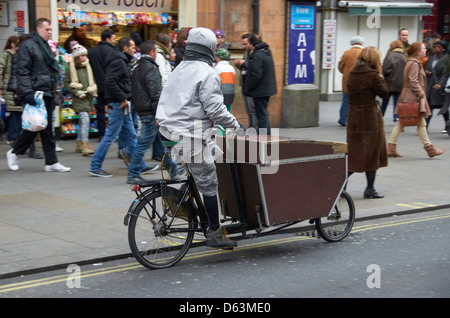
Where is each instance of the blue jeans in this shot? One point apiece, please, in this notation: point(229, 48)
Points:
point(343, 112)
point(118, 122)
point(262, 114)
point(149, 131)
point(395, 96)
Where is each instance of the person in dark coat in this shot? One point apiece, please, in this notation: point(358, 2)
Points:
point(435, 72)
point(37, 70)
point(97, 56)
point(118, 95)
point(146, 87)
point(260, 81)
point(365, 127)
point(393, 66)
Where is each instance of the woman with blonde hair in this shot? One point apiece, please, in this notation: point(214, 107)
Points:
point(414, 90)
point(365, 128)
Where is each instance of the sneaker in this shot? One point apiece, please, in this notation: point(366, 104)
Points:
point(58, 148)
point(126, 159)
point(149, 169)
point(180, 173)
point(219, 239)
point(11, 158)
point(57, 167)
point(444, 131)
point(100, 173)
point(135, 180)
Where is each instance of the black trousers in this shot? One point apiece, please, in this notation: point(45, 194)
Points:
point(100, 106)
point(26, 137)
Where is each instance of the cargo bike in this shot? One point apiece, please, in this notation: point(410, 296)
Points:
point(265, 185)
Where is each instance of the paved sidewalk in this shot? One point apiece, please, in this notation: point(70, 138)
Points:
point(48, 219)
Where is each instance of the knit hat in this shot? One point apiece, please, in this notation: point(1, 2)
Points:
point(219, 33)
point(78, 50)
point(357, 40)
point(223, 54)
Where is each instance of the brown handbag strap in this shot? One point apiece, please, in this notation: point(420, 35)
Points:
point(404, 82)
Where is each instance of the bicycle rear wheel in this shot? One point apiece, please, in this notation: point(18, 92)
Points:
point(339, 222)
point(159, 237)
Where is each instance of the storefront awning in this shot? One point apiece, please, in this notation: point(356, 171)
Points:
point(387, 8)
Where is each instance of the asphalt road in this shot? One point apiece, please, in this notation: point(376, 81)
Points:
point(396, 257)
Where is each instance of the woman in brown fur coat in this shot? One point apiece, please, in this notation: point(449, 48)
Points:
point(365, 129)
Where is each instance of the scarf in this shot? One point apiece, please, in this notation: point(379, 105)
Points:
point(49, 57)
point(75, 84)
point(198, 52)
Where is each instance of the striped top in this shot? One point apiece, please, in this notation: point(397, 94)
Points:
point(228, 80)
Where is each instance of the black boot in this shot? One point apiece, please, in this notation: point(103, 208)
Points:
point(371, 193)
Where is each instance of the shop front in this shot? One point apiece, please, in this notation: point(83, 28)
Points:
point(146, 17)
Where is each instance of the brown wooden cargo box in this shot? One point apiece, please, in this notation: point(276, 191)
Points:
point(289, 180)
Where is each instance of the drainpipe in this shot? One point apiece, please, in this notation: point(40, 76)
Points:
point(222, 14)
point(255, 6)
point(32, 15)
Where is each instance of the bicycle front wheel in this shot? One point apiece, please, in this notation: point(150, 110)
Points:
point(159, 237)
point(339, 222)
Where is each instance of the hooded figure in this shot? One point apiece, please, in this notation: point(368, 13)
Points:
point(190, 103)
point(192, 94)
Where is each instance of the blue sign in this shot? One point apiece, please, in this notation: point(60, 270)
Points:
point(302, 17)
point(301, 50)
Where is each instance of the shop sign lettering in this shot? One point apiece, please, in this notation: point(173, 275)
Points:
point(119, 5)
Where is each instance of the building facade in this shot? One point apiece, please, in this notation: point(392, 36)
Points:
point(297, 49)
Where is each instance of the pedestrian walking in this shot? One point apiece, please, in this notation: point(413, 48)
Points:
point(146, 85)
point(365, 127)
point(118, 95)
point(435, 73)
point(414, 90)
point(37, 70)
point(393, 66)
point(346, 63)
point(97, 59)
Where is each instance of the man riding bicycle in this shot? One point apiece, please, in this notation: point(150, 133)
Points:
point(190, 104)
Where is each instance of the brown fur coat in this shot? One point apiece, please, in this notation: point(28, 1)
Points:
point(365, 127)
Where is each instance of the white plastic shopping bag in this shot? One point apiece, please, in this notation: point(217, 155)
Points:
point(34, 118)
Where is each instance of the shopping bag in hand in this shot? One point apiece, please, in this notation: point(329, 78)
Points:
point(34, 118)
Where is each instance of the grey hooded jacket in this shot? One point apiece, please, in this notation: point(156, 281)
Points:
point(192, 101)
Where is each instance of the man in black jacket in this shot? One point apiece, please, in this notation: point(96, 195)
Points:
point(260, 82)
point(97, 56)
point(146, 87)
point(118, 95)
point(37, 70)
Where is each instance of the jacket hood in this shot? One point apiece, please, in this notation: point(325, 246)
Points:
point(203, 36)
point(264, 47)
